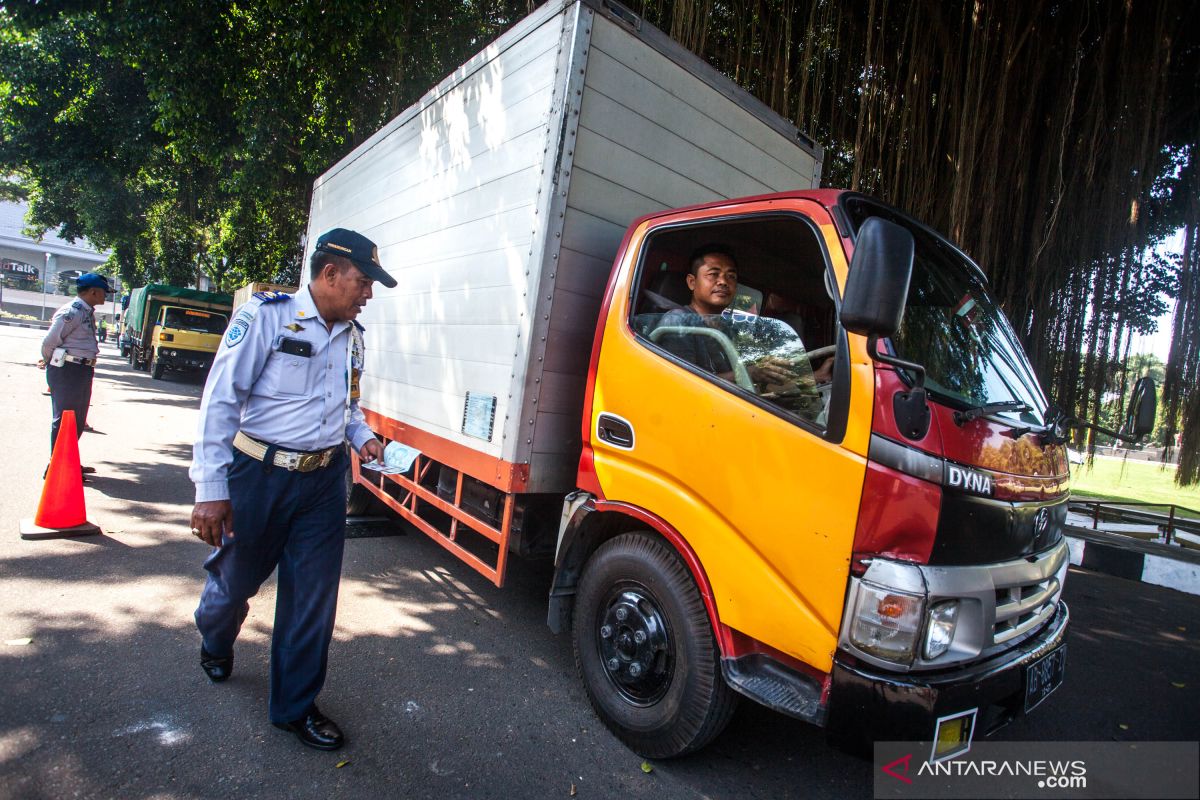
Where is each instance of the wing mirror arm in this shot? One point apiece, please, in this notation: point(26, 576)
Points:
point(911, 408)
point(918, 371)
point(1139, 420)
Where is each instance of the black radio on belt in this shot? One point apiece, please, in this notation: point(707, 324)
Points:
point(296, 347)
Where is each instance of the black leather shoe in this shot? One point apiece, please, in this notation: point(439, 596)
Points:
point(217, 668)
point(315, 730)
point(88, 470)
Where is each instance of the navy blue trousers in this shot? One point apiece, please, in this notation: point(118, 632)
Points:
point(296, 521)
point(70, 390)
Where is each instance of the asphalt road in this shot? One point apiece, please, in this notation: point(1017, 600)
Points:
point(445, 685)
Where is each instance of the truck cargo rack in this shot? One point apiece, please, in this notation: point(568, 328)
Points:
point(412, 493)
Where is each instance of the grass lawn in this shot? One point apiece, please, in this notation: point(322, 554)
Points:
point(1141, 481)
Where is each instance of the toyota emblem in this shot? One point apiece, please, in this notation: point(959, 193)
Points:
point(1041, 523)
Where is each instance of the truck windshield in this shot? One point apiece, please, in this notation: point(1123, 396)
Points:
point(187, 319)
point(954, 328)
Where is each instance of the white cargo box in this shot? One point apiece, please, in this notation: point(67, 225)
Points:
point(250, 289)
point(498, 202)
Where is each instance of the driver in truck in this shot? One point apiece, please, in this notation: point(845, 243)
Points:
point(713, 281)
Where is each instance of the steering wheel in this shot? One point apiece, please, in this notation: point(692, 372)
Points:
point(821, 352)
point(740, 376)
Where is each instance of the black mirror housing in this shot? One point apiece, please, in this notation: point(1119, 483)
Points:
point(880, 272)
point(1143, 407)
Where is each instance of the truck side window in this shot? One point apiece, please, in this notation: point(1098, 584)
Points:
point(743, 303)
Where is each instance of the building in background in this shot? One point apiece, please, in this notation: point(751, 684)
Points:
point(36, 276)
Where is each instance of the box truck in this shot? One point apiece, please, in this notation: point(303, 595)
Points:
point(173, 328)
point(879, 552)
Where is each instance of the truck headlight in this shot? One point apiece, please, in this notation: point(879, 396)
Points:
point(886, 622)
point(943, 618)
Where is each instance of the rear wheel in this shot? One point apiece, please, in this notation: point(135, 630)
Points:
point(645, 649)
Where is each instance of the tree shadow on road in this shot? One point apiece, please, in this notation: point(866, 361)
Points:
point(443, 682)
point(163, 480)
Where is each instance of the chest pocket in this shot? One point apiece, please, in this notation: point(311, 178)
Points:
point(287, 374)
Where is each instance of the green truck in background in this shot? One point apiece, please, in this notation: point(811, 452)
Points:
point(173, 328)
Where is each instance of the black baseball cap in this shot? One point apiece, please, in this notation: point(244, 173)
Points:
point(359, 249)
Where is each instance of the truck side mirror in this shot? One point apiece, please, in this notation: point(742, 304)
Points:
point(1143, 406)
point(873, 306)
point(880, 272)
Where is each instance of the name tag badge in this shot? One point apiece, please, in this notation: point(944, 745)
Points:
point(296, 347)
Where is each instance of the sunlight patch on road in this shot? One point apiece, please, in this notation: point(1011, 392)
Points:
point(163, 729)
point(15, 744)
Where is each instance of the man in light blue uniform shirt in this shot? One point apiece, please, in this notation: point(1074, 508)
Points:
point(269, 467)
point(73, 330)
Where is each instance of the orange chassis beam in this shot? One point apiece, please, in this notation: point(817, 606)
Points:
point(500, 474)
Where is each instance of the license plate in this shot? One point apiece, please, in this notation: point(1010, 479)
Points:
point(1043, 676)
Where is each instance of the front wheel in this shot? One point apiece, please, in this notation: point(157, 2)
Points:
point(156, 365)
point(645, 649)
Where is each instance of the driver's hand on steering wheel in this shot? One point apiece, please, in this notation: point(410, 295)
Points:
point(824, 373)
point(771, 370)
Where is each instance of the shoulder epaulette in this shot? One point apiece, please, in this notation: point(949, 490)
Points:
point(272, 297)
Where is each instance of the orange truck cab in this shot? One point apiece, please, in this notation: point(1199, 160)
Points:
point(872, 561)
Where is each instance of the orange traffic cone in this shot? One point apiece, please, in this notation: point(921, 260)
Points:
point(61, 511)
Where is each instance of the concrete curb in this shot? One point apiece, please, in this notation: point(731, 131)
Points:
point(1146, 562)
point(20, 323)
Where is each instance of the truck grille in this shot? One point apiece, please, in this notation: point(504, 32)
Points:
point(1024, 606)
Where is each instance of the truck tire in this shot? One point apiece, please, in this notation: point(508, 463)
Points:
point(156, 366)
point(359, 500)
point(645, 649)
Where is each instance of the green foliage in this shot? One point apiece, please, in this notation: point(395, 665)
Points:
point(186, 136)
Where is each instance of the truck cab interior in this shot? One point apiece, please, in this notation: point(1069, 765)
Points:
point(783, 307)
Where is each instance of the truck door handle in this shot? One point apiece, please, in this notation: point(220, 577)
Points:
point(614, 430)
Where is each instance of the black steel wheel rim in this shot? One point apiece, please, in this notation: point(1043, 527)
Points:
point(635, 645)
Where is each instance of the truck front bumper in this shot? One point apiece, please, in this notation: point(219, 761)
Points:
point(867, 704)
point(175, 359)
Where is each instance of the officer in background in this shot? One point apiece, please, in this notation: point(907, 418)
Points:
point(69, 372)
point(269, 467)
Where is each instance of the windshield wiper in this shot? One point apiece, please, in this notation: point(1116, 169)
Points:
point(963, 417)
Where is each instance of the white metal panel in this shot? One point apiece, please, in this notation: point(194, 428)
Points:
point(677, 98)
point(450, 193)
